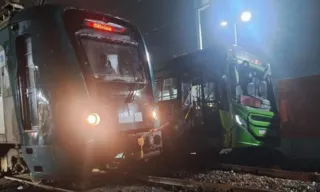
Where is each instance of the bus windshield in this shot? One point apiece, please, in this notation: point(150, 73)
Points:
point(113, 62)
point(251, 87)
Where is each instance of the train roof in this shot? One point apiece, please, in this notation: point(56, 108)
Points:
point(32, 12)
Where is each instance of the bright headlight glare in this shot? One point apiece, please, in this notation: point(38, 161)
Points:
point(154, 114)
point(93, 119)
point(240, 121)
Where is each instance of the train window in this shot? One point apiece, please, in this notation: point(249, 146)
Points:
point(158, 91)
point(27, 75)
point(5, 82)
point(6, 89)
point(2, 63)
point(1, 81)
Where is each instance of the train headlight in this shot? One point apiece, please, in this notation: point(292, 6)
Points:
point(93, 119)
point(240, 121)
point(154, 114)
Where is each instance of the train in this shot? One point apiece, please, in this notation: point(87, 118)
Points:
point(298, 104)
point(77, 91)
point(217, 100)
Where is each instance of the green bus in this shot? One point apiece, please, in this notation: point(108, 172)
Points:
point(217, 98)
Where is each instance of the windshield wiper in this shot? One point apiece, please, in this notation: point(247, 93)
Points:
point(132, 91)
point(134, 87)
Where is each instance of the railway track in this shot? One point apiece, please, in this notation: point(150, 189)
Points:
point(168, 179)
point(185, 184)
point(43, 186)
point(277, 173)
point(196, 185)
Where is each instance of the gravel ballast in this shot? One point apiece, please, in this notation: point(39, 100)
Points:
point(252, 181)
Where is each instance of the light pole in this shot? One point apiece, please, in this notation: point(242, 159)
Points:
point(244, 17)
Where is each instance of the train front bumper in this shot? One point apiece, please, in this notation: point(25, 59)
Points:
point(139, 145)
point(61, 161)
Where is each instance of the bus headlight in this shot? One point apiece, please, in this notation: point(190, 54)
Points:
point(93, 119)
point(240, 121)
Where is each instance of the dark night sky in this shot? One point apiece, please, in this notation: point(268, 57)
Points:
point(287, 31)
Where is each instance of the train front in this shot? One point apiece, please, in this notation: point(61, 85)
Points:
point(120, 116)
point(100, 88)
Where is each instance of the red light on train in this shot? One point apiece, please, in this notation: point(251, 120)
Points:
point(101, 27)
point(109, 27)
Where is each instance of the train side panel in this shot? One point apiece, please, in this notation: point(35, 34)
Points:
point(9, 132)
point(299, 105)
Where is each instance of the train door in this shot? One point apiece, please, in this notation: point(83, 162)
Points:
point(27, 75)
point(9, 129)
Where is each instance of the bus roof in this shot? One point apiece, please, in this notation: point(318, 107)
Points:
point(207, 61)
point(240, 55)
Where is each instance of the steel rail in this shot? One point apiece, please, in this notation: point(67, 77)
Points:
point(277, 173)
point(205, 186)
point(47, 187)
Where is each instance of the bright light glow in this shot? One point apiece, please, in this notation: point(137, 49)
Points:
point(93, 119)
point(240, 121)
point(262, 132)
point(137, 93)
point(110, 27)
point(119, 156)
point(154, 114)
point(246, 16)
point(223, 23)
point(148, 57)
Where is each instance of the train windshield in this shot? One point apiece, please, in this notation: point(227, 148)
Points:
point(111, 49)
point(111, 61)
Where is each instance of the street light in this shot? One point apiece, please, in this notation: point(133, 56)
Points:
point(224, 23)
point(245, 17)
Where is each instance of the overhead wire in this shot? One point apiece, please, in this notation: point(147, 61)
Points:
point(155, 28)
point(126, 7)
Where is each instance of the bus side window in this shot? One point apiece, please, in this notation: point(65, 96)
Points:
point(168, 89)
point(27, 73)
point(159, 90)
